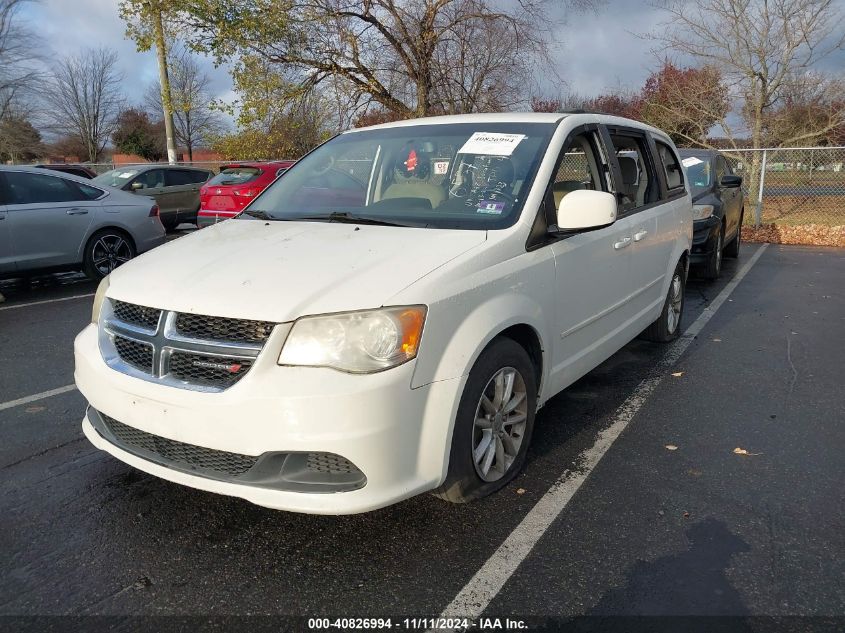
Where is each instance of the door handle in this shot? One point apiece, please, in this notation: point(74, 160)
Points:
point(640, 235)
point(625, 241)
point(76, 211)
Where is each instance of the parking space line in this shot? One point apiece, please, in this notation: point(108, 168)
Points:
point(35, 397)
point(38, 303)
point(474, 598)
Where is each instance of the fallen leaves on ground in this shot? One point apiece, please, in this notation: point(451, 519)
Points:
point(671, 447)
point(678, 374)
point(520, 491)
point(807, 234)
point(34, 409)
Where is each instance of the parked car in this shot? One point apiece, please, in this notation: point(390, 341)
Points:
point(387, 317)
point(52, 222)
point(718, 209)
point(176, 189)
point(226, 195)
point(75, 170)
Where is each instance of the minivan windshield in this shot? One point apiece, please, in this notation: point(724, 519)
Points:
point(453, 175)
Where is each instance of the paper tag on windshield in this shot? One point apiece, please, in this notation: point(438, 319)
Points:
point(126, 174)
point(692, 160)
point(441, 167)
point(491, 144)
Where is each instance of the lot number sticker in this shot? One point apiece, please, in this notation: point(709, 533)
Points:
point(692, 160)
point(491, 207)
point(491, 144)
point(441, 167)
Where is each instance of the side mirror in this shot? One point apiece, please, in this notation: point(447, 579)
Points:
point(585, 209)
point(730, 180)
point(135, 186)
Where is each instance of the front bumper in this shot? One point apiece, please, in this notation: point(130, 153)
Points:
point(704, 238)
point(398, 437)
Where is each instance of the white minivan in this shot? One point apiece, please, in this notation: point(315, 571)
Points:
point(388, 317)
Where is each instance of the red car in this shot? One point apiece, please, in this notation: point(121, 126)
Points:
point(226, 195)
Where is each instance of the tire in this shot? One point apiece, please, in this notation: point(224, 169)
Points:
point(467, 479)
point(713, 267)
point(667, 327)
point(106, 250)
point(732, 249)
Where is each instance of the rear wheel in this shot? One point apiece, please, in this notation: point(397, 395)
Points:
point(105, 251)
point(668, 325)
point(732, 249)
point(494, 423)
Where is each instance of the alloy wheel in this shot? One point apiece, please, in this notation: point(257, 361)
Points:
point(676, 299)
point(499, 427)
point(109, 252)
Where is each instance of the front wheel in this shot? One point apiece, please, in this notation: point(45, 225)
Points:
point(494, 423)
point(105, 251)
point(668, 325)
point(713, 267)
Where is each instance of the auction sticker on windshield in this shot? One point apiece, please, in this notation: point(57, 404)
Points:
point(692, 160)
point(491, 143)
point(490, 206)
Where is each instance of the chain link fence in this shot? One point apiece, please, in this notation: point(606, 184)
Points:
point(792, 186)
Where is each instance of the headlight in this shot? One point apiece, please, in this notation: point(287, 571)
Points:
point(98, 299)
point(701, 211)
point(356, 342)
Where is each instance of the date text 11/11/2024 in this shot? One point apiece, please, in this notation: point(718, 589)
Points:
point(458, 625)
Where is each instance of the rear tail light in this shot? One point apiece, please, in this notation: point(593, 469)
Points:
point(154, 211)
point(247, 193)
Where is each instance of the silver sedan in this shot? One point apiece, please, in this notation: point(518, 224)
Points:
point(51, 222)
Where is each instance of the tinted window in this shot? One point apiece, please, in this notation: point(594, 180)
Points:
point(639, 185)
point(25, 188)
point(90, 193)
point(671, 167)
point(179, 177)
point(235, 176)
point(202, 176)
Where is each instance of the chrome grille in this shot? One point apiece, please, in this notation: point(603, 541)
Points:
point(223, 329)
point(141, 316)
point(188, 456)
point(187, 351)
point(137, 354)
point(208, 370)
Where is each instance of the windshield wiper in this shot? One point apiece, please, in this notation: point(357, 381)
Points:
point(348, 218)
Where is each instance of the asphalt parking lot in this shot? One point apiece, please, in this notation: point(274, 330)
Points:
point(633, 502)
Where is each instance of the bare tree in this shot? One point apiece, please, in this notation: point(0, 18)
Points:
point(18, 52)
point(757, 44)
point(409, 57)
point(194, 119)
point(86, 99)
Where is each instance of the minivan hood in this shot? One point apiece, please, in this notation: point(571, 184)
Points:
point(279, 271)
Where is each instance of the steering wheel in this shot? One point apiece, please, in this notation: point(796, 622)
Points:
point(496, 194)
point(329, 164)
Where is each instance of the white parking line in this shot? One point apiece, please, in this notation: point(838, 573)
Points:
point(35, 397)
point(38, 303)
point(474, 598)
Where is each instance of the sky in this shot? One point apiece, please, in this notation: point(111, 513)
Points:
point(593, 51)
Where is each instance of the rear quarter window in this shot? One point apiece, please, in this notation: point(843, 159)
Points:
point(672, 170)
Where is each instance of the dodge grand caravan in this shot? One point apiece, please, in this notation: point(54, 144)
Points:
point(387, 318)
